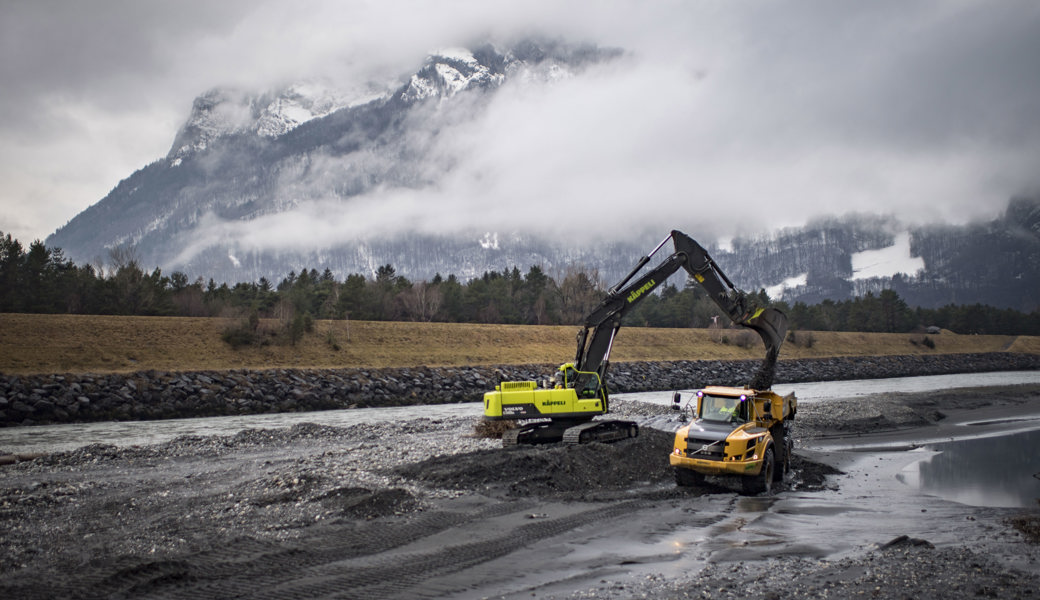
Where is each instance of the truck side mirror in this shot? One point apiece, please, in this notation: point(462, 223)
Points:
point(676, 400)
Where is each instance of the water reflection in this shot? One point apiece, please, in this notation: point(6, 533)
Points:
point(993, 471)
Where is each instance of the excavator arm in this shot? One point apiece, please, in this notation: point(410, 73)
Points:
point(596, 338)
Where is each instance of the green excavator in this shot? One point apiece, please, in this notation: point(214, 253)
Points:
point(564, 409)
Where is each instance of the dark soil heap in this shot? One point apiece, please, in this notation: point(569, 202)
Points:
point(552, 470)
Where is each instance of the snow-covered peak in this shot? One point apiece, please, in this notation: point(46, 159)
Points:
point(218, 112)
point(228, 111)
point(462, 55)
point(448, 72)
point(302, 102)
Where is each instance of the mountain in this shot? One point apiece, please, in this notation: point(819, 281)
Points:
point(247, 164)
point(995, 263)
point(245, 157)
point(223, 112)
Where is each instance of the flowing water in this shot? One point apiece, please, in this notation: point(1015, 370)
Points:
point(853, 388)
point(52, 438)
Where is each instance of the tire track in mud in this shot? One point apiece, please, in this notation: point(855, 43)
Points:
point(255, 560)
point(132, 576)
point(341, 561)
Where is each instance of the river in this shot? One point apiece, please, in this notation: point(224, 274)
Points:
point(55, 438)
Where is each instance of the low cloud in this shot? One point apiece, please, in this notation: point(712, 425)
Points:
point(721, 119)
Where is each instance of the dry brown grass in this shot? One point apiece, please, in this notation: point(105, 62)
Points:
point(98, 344)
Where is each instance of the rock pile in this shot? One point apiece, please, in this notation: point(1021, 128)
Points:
point(69, 398)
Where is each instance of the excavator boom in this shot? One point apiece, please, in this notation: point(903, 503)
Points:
point(601, 326)
point(769, 323)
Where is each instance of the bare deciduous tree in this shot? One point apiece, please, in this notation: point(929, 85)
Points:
point(580, 292)
point(421, 301)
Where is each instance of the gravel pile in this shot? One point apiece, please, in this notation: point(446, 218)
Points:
point(190, 492)
point(894, 411)
point(906, 568)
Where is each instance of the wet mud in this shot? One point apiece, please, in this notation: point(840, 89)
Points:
point(425, 509)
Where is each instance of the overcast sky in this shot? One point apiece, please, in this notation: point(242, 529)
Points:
point(742, 114)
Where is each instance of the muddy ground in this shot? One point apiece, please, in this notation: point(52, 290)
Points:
point(424, 509)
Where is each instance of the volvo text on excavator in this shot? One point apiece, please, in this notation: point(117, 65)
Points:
point(564, 410)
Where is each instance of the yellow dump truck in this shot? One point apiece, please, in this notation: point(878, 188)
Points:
point(738, 432)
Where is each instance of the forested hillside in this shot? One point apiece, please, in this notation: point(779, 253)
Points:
point(42, 280)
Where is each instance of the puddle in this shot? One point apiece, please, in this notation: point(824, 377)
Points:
point(1010, 421)
point(999, 471)
point(755, 504)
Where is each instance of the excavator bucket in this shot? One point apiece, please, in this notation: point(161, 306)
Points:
point(771, 325)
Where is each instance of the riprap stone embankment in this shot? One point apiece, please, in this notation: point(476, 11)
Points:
point(68, 398)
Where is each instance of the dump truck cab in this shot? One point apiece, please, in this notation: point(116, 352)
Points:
point(738, 432)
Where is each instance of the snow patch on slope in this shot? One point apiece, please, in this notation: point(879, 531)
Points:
point(777, 291)
point(886, 262)
point(489, 241)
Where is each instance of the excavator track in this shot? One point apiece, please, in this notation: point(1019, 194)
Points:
point(600, 431)
point(607, 430)
point(541, 432)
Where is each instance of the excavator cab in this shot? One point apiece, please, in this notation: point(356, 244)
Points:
point(566, 377)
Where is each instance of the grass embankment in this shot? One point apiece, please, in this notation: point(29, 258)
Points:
point(99, 344)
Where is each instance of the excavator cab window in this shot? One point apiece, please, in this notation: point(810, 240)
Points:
point(565, 376)
point(591, 389)
point(724, 409)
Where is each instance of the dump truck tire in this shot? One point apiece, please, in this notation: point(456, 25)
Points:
point(763, 482)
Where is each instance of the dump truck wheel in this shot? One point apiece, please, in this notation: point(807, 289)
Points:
point(783, 459)
point(688, 478)
point(763, 482)
point(783, 445)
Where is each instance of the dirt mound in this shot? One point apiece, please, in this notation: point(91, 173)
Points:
point(809, 475)
point(551, 470)
point(364, 503)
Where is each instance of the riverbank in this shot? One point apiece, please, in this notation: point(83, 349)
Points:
point(47, 344)
point(148, 395)
point(421, 508)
